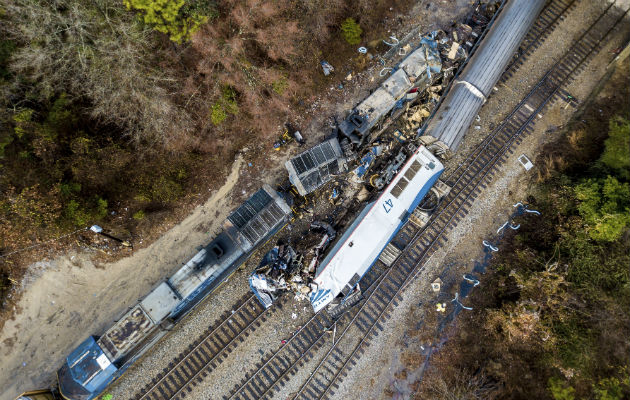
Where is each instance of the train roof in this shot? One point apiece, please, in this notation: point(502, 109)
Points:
point(86, 371)
point(474, 85)
point(422, 62)
point(259, 215)
point(313, 168)
point(137, 323)
point(206, 269)
point(255, 220)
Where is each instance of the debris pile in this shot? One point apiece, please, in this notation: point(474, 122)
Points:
point(283, 269)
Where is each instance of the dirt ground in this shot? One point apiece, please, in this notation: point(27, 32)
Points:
point(62, 301)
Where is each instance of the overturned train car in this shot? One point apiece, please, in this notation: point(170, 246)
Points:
point(360, 246)
point(99, 360)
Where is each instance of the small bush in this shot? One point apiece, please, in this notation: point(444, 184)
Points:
point(101, 208)
point(280, 86)
point(616, 154)
point(169, 17)
point(559, 391)
point(217, 114)
point(138, 215)
point(76, 214)
point(226, 104)
point(351, 31)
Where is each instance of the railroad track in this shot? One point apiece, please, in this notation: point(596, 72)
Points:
point(209, 350)
point(275, 370)
point(553, 13)
point(466, 181)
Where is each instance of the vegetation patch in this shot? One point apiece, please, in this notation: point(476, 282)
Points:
point(351, 31)
point(171, 17)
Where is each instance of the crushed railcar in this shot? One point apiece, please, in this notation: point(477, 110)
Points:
point(417, 70)
point(316, 166)
point(472, 88)
point(97, 361)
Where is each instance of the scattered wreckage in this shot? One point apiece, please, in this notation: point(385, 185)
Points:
point(371, 167)
point(285, 269)
point(391, 174)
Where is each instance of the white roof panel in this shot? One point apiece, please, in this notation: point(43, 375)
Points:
point(159, 303)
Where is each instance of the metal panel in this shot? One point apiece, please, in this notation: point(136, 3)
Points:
point(126, 333)
point(314, 167)
point(160, 302)
point(86, 371)
point(397, 84)
point(242, 215)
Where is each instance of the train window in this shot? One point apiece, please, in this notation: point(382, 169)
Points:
point(410, 174)
point(396, 191)
point(415, 166)
point(400, 186)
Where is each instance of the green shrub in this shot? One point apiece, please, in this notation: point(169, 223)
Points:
point(70, 188)
point(560, 391)
point(611, 388)
point(22, 119)
point(101, 208)
point(280, 85)
point(605, 207)
point(138, 215)
point(217, 113)
point(76, 214)
point(616, 153)
point(168, 16)
point(351, 31)
point(226, 104)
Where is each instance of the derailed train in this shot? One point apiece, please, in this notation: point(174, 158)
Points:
point(99, 360)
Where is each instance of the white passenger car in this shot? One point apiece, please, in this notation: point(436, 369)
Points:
point(358, 249)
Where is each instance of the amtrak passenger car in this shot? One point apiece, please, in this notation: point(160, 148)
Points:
point(358, 249)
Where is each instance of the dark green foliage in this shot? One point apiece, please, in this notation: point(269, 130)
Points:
point(351, 31)
point(617, 147)
point(63, 175)
point(6, 49)
point(560, 391)
point(605, 207)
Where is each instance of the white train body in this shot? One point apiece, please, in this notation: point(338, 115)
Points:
point(358, 249)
